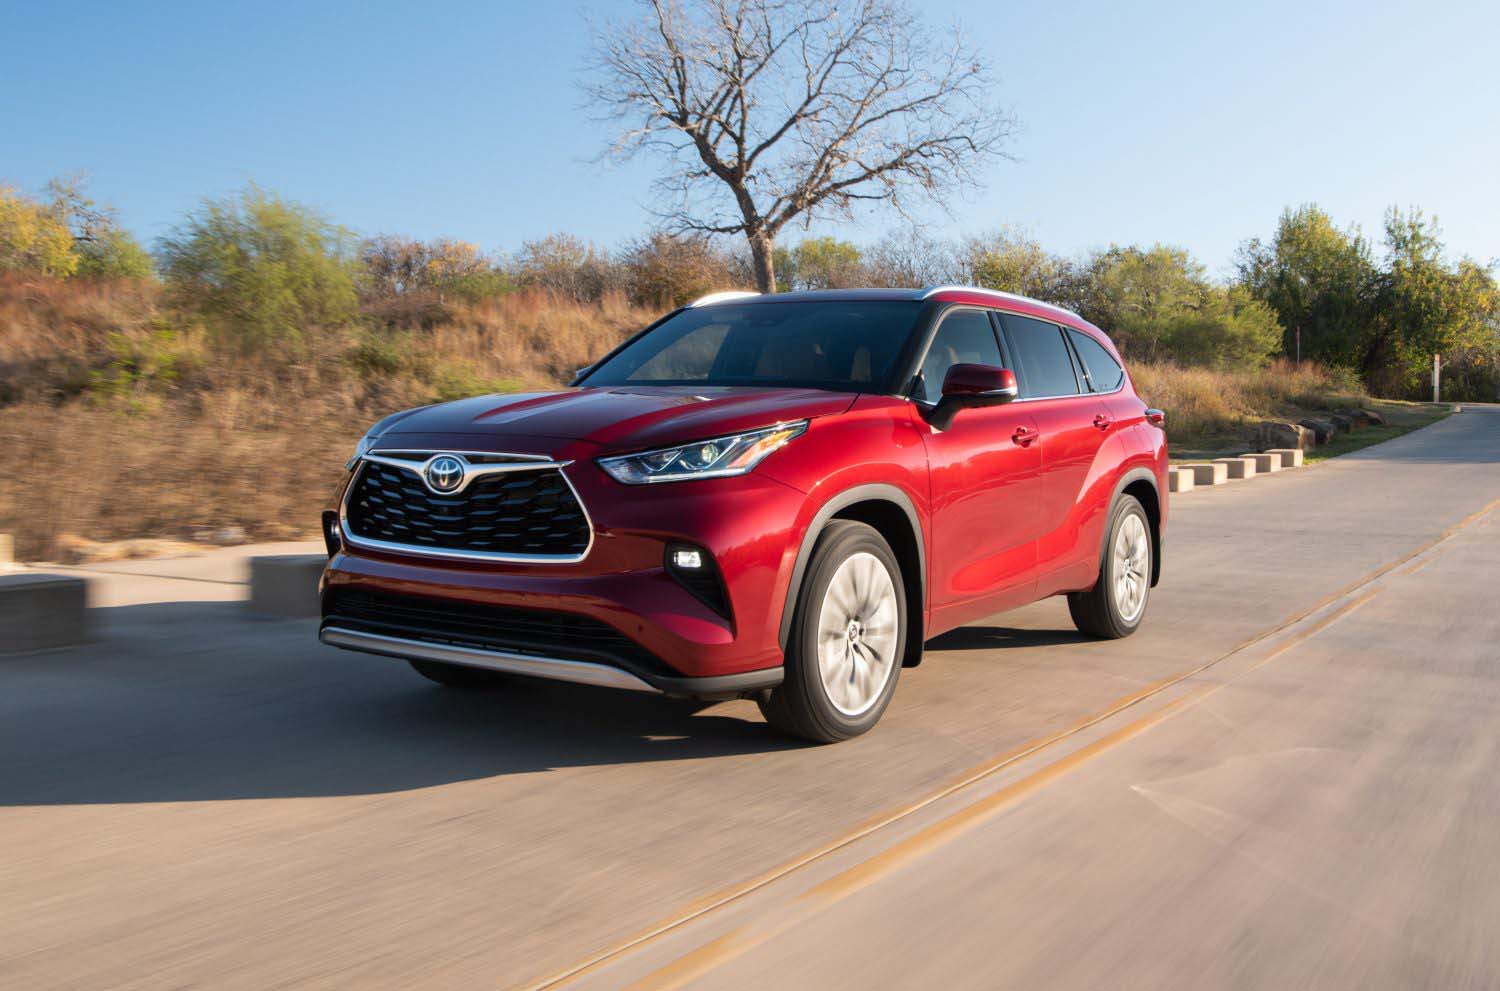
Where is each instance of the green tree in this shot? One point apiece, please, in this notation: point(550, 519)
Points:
point(1012, 262)
point(1228, 328)
point(819, 263)
point(114, 254)
point(105, 250)
point(263, 269)
point(1425, 306)
point(1134, 293)
point(33, 238)
point(1319, 280)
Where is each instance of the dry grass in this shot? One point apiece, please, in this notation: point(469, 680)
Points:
point(1205, 406)
point(121, 418)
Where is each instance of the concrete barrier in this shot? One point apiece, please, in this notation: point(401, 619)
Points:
point(1179, 480)
point(286, 585)
point(1237, 467)
point(1266, 462)
point(1207, 474)
point(39, 610)
point(1290, 457)
point(7, 553)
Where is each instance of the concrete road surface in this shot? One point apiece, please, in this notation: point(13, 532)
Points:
point(1288, 778)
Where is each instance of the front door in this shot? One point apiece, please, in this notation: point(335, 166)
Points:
point(985, 472)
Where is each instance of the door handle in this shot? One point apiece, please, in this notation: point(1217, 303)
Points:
point(1024, 436)
point(1102, 422)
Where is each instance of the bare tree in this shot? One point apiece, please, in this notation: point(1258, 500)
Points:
point(771, 111)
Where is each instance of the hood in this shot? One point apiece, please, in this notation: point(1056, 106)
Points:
point(619, 417)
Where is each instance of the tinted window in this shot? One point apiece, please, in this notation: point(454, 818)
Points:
point(825, 345)
point(965, 337)
point(1103, 370)
point(1043, 364)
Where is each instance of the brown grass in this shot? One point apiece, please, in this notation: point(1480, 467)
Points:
point(121, 418)
point(1205, 405)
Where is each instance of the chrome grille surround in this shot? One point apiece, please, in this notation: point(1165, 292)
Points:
point(476, 464)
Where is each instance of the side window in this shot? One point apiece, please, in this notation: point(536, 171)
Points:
point(1103, 370)
point(964, 337)
point(1043, 364)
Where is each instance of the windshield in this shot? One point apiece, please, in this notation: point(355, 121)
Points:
point(842, 346)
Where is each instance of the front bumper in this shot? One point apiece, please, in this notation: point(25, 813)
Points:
point(677, 644)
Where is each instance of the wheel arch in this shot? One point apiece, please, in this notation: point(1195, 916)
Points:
point(891, 513)
point(1142, 484)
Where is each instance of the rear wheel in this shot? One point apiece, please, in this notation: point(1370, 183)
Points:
point(1116, 604)
point(457, 675)
point(848, 632)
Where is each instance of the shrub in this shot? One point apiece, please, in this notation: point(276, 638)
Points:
point(262, 269)
point(33, 238)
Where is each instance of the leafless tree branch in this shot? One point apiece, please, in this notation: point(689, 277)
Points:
point(770, 111)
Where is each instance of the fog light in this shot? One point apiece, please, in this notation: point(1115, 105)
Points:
point(332, 539)
point(688, 559)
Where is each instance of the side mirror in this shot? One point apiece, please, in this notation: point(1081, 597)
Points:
point(580, 373)
point(968, 386)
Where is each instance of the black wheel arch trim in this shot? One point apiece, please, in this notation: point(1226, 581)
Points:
point(871, 492)
point(1158, 536)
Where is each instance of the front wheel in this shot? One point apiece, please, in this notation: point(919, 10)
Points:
point(848, 633)
point(1116, 604)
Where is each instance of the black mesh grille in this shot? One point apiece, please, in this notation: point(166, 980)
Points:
point(524, 512)
point(525, 631)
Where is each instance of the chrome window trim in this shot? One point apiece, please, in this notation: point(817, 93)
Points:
point(534, 665)
point(996, 310)
point(525, 462)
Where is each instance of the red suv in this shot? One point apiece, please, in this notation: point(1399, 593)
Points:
point(778, 497)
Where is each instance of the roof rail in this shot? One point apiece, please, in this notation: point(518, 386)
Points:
point(929, 291)
point(721, 297)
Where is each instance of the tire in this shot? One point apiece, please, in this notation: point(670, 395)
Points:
point(1116, 604)
point(456, 675)
point(853, 593)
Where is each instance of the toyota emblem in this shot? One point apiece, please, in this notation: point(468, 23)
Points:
point(445, 474)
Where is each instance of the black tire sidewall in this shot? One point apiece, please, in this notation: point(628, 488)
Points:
point(842, 540)
point(1125, 506)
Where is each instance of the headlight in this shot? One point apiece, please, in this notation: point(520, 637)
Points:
point(732, 455)
point(365, 443)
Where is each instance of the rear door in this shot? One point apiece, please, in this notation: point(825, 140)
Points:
point(985, 472)
point(1073, 425)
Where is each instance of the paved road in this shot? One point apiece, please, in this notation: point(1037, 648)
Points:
point(1288, 778)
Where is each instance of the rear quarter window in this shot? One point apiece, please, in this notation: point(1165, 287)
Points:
point(1103, 370)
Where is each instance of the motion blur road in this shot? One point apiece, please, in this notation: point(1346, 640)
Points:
point(1288, 778)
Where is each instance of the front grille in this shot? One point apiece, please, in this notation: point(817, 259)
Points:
point(523, 513)
point(542, 632)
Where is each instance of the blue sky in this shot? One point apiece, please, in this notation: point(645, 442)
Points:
point(1191, 123)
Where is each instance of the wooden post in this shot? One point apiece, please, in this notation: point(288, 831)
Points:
point(1437, 367)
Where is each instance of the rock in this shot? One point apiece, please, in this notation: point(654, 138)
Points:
point(228, 536)
point(1323, 430)
point(1369, 417)
point(1345, 424)
point(1280, 434)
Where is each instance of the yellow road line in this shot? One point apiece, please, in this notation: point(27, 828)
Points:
point(828, 893)
point(724, 897)
point(825, 894)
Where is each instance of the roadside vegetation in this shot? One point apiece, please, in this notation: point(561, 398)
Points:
point(215, 385)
